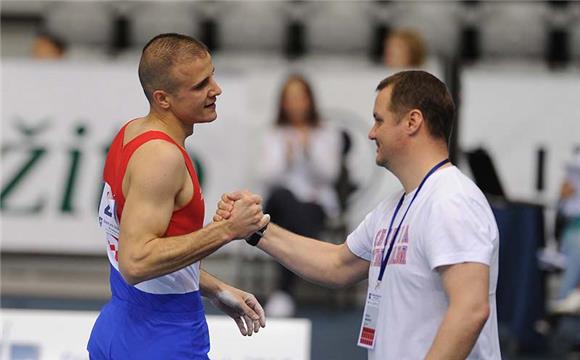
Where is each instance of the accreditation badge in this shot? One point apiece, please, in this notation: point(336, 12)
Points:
point(366, 338)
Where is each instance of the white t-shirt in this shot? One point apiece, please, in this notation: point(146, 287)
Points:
point(449, 222)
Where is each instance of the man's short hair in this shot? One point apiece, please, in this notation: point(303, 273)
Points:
point(416, 89)
point(159, 57)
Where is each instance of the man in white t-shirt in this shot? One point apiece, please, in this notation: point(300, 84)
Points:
point(431, 290)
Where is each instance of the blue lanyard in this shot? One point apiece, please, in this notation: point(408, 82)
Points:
point(386, 258)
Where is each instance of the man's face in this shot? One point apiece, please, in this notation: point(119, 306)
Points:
point(197, 91)
point(387, 131)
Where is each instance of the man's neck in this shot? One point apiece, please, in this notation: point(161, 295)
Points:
point(413, 168)
point(169, 124)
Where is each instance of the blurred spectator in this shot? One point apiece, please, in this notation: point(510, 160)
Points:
point(300, 166)
point(47, 46)
point(404, 49)
point(569, 208)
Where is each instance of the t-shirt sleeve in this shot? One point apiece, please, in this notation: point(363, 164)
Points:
point(459, 229)
point(360, 241)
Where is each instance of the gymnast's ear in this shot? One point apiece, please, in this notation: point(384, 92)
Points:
point(161, 99)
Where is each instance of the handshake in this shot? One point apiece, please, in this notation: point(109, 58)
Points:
point(242, 210)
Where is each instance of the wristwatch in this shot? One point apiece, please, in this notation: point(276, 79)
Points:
point(255, 237)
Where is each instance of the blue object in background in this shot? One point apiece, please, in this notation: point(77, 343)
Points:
point(521, 289)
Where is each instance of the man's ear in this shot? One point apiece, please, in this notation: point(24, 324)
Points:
point(414, 121)
point(161, 99)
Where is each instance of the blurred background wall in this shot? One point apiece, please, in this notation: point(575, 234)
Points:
point(69, 81)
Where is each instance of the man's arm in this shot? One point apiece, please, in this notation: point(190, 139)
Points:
point(154, 177)
point(467, 287)
point(239, 305)
point(317, 261)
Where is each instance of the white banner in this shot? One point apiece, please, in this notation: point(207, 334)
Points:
point(512, 112)
point(59, 118)
point(31, 335)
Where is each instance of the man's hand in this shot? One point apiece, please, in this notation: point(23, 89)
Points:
point(226, 203)
point(242, 307)
point(240, 208)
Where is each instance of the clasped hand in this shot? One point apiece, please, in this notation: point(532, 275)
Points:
point(243, 210)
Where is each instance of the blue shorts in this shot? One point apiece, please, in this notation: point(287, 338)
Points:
point(149, 326)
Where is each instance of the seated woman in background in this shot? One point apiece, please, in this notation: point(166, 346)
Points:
point(300, 166)
point(404, 49)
